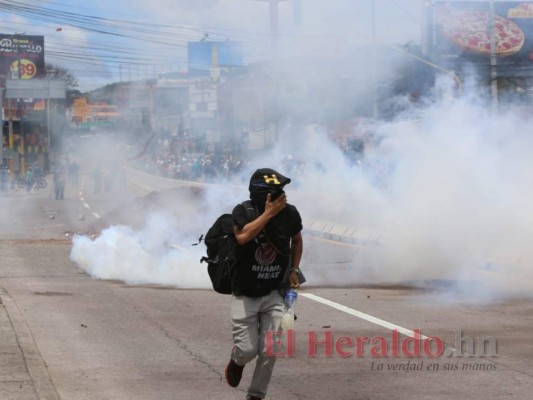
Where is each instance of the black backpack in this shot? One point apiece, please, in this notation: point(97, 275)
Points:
point(223, 251)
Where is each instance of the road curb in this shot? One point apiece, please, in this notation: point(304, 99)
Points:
point(33, 359)
point(339, 232)
point(342, 233)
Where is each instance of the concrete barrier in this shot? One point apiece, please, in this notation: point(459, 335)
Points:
point(330, 230)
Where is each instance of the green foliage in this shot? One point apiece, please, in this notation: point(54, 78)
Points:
point(56, 72)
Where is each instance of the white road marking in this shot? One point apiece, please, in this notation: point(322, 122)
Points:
point(362, 315)
point(85, 204)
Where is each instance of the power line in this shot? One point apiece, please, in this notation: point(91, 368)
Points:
point(160, 37)
point(408, 13)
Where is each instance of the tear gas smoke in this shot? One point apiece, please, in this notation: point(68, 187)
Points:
point(448, 195)
point(445, 187)
point(141, 256)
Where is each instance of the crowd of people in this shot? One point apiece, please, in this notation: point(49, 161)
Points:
point(34, 178)
point(167, 160)
point(195, 167)
point(211, 167)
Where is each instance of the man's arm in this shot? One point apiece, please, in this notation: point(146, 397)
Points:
point(297, 248)
point(253, 228)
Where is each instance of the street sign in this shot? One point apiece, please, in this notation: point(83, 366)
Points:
point(36, 88)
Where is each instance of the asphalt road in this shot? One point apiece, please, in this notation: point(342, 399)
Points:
point(66, 335)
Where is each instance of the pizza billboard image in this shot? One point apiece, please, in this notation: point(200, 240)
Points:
point(22, 56)
point(462, 28)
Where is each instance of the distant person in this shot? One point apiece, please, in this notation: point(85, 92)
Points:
point(60, 179)
point(97, 178)
point(4, 179)
point(37, 170)
point(74, 173)
point(271, 246)
point(37, 174)
point(29, 179)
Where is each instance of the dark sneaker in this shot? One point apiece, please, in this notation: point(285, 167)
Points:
point(233, 373)
point(255, 398)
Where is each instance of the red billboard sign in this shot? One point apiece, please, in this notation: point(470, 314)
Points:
point(21, 56)
point(463, 29)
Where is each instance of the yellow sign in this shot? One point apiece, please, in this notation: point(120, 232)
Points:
point(23, 68)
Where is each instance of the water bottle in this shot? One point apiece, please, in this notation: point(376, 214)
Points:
point(287, 321)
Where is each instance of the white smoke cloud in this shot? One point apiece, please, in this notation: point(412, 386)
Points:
point(149, 255)
point(458, 193)
point(448, 195)
point(446, 188)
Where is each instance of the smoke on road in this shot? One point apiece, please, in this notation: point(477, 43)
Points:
point(447, 194)
point(445, 185)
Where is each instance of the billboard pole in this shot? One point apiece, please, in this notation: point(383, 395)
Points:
point(274, 49)
point(424, 7)
point(375, 109)
point(274, 25)
point(10, 139)
point(493, 60)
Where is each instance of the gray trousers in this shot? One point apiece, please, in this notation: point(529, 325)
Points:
point(252, 317)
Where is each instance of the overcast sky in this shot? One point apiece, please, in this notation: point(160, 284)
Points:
point(104, 41)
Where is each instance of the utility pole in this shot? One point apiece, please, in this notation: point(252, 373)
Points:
point(11, 137)
point(374, 89)
point(274, 26)
point(20, 113)
point(493, 59)
point(424, 18)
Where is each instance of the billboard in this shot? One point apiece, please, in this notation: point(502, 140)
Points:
point(461, 29)
point(202, 56)
point(21, 56)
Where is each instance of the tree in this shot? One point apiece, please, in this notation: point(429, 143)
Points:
point(57, 72)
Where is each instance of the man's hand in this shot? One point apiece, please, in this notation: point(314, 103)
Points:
point(273, 207)
point(253, 228)
point(294, 282)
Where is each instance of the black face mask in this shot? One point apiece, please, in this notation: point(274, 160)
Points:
point(275, 193)
point(258, 195)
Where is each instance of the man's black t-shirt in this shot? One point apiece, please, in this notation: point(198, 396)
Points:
point(264, 261)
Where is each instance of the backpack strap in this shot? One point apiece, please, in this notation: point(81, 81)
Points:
point(250, 210)
point(252, 213)
point(199, 240)
point(274, 246)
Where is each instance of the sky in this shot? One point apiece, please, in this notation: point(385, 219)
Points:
point(102, 42)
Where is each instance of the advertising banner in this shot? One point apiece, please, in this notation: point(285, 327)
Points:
point(21, 56)
point(461, 29)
